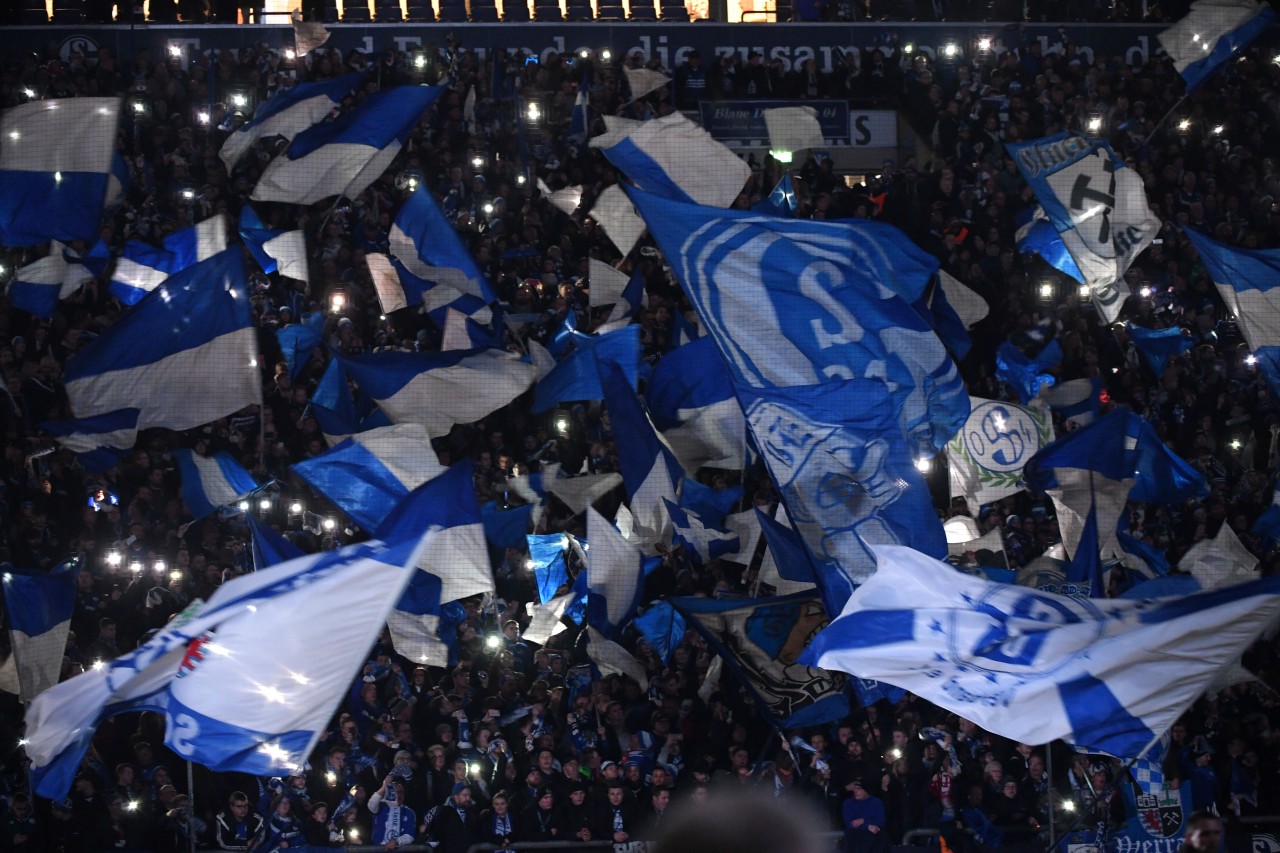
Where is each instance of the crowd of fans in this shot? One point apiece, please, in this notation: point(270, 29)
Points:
point(516, 742)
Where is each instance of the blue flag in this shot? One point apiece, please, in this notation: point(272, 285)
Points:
point(279, 250)
point(691, 400)
point(794, 302)
point(38, 287)
point(506, 528)
point(1026, 374)
point(185, 356)
point(431, 253)
point(1212, 33)
point(98, 442)
point(270, 547)
point(1159, 345)
point(703, 541)
point(1036, 236)
point(550, 571)
point(663, 628)
point(615, 576)
point(761, 642)
point(781, 202)
point(288, 113)
point(141, 268)
point(577, 376)
point(299, 340)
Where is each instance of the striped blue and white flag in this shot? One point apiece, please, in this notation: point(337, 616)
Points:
point(431, 252)
point(141, 268)
point(187, 354)
point(439, 390)
point(454, 565)
point(1078, 402)
point(1212, 32)
point(38, 287)
point(703, 541)
point(1093, 471)
point(38, 608)
point(344, 157)
point(1248, 280)
point(674, 158)
point(649, 469)
point(56, 169)
point(398, 288)
point(237, 692)
point(577, 376)
point(369, 473)
point(691, 399)
point(100, 441)
point(615, 576)
point(289, 113)
point(1036, 235)
point(1098, 206)
point(212, 482)
point(275, 249)
point(1032, 666)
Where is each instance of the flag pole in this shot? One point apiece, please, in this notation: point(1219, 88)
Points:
point(1165, 118)
point(191, 806)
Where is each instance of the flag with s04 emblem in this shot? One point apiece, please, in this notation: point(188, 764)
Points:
point(985, 458)
point(1096, 203)
point(1032, 666)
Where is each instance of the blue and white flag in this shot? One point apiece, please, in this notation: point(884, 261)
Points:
point(1078, 402)
point(577, 376)
point(461, 332)
point(453, 565)
point(100, 441)
point(56, 162)
point(762, 641)
point(795, 302)
point(141, 268)
point(270, 547)
point(844, 469)
point(1094, 470)
point(615, 576)
point(1096, 203)
point(344, 157)
point(1026, 374)
point(703, 541)
point(506, 528)
point(691, 400)
point(1159, 345)
point(38, 608)
point(607, 283)
point(781, 201)
point(237, 693)
point(985, 459)
point(368, 474)
point(711, 505)
point(38, 287)
point(547, 558)
point(186, 355)
point(1249, 282)
point(289, 113)
point(439, 390)
point(431, 252)
point(1032, 666)
point(649, 469)
point(580, 118)
point(1212, 32)
point(211, 482)
point(275, 249)
point(336, 411)
point(1037, 236)
point(674, 158)
point(299, 340)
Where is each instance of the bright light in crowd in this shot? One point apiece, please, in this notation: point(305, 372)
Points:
point(1046, 291)
point(984, 44)
point(295, 508)
point(113, 558)
point(29, 93)
point(132, 805)
point(139, 107)
point(23, 741)
point(1144, 292)
point(175, 575)
point(203, 116)
point(1217, 129)
point(1251, 359)
point(175, 50)
point(264, 504)
point(337, 302)
point(329, 524)
point(950, 51)
point(1095, 123)
point(188, 195)
point(477, 162)
point(1084, 292)
point(533, 113)
point(1235, 444)
point(330, 777)
point(584, 53)
point(492, 641)
point(908, 48)
point(290, 53)
point(924, 464)
point(244, 506)
point(783, 157)
point(562, 424)
point(159, 567)
point(275, 752)
point(419, 61)
point(473, 769)
point(606, 54)
point(520, 179)
point(488, 208)
point(413, 184)
point(238, 100)
point(135, 567)
point(530, 564)
point(1184, 125)
point(1068, 805)
point(98, 665)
